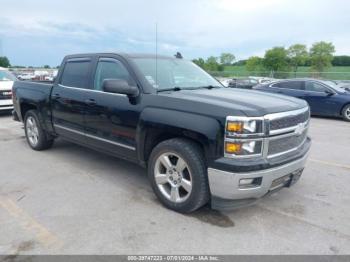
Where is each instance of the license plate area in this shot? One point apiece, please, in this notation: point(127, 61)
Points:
point(287, 180)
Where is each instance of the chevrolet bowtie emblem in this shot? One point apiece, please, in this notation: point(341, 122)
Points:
point(299, 130)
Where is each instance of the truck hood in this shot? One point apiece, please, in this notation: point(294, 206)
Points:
point(249, 102)
point(6, 85)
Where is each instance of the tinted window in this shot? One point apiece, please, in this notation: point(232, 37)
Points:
point(297, 85)
point(315, 87)
point(75, 74)
point(110, 70)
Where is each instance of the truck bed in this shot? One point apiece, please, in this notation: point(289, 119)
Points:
point(34, 94)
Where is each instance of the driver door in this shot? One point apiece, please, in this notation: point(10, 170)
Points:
point(111, 119)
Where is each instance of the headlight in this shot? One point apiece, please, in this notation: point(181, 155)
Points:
point(243, 147)
point(244, 136)
point(243, 126)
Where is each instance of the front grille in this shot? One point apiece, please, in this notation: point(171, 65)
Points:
point(284, 144)
point(289, 121)
point(5, 94)
point(282, 181)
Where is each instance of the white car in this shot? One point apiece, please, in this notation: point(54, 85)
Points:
point(26, 77)
point(6, 82)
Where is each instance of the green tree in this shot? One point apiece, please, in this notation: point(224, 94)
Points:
point(342, 60)
point(276, 59)
point(199, 62)
point(212, 64)
point(46, 66)
point(4, 61)
point(321, 54)
point(254, 64)
point(297, 55)
point(227, 58)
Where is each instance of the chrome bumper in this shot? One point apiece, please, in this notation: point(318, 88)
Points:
point(6, 108)
point(225, 185)
point(6, 104)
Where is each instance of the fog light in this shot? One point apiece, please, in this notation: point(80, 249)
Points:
point(247, 181)
point(250, 182)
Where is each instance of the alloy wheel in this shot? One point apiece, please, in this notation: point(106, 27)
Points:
point(173, 177)
point(32, 131)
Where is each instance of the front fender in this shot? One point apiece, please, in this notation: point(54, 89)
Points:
point(205, 130)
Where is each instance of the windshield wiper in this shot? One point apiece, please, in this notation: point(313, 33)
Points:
point(176, 88)
point(209, 87)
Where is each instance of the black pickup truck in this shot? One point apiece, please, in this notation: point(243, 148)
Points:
point(201, 142)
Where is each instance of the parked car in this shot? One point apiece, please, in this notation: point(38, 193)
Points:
point(201, 142)
point(6, 82)
point(263, 80)
point(49, 78)
point(249, 82)
point(245, 83)
point(26, 77)
point(325, 98)
point(345, 86)
point(224, 81)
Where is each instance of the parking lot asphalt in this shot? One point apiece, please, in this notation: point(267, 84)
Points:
point(72, 200)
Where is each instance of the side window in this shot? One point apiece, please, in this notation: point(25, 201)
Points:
point(76, 74)
point(110, 70)
point(296, 85)
point(315, 87)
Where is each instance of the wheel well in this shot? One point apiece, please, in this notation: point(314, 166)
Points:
point(25, 107)
point(154, 137)
point(341, 111)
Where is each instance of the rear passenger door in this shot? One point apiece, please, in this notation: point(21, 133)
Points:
point(111, 119)
point(69, 97)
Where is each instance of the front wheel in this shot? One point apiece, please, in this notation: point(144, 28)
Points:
point(346, 113)
point(178, 175)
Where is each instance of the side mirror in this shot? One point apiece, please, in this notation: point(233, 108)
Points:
point(329, 92)
point(119, 86)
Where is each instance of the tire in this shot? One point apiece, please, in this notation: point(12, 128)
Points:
point(179, 163)
point(346, 113)
point(36, 136)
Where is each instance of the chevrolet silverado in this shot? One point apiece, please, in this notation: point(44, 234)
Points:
point(200, 142)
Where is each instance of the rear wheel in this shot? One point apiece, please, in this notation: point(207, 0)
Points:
point(35, 134)
point(346, 113)
point(178, 175)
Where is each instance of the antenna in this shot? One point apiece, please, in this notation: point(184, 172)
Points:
point(156, 55)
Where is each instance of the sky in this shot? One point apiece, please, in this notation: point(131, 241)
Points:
point(39, 32)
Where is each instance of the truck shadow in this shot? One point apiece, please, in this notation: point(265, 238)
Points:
point(117, 170)
point(212, 217)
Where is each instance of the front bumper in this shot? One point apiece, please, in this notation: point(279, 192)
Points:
point(227, 193)
point(6, 104)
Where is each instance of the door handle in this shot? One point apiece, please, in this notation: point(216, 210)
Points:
point(56, 96)
point(90, 102)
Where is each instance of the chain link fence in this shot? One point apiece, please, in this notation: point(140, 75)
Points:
point(283, 75)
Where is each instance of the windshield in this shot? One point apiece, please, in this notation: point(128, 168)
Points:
point(174, 73)
point(333, 85)
point(6, 76)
